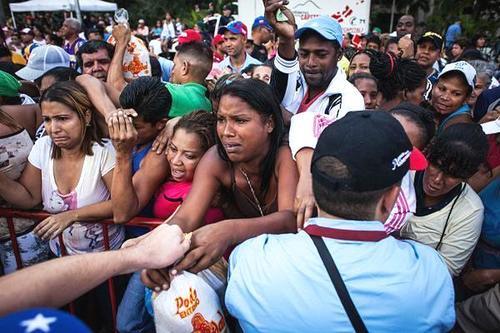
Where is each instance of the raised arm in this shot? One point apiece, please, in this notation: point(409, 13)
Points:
point(285, 30)
point(20, 290)
point(121, 34)
point(104, 98)
point(131, 193)
point(285, 66)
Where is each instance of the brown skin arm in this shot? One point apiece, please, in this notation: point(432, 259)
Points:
point(211, 241)
point(98, 94)
point(121, 33)
point(24, 193)
point(130, 194)
point(482, 178)
point(304, 200)
point(28, 116)
point(284, 30)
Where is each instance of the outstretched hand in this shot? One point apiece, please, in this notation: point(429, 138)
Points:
point(161, 247)
point(208, 244)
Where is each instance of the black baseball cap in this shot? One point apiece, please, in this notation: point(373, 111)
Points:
point(372, 145)
point(432, 37)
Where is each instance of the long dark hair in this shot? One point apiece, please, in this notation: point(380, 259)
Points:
point(259, 96)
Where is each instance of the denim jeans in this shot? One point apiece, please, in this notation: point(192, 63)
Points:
point(132, 315)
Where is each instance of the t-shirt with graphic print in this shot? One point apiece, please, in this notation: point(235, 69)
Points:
point(79, 237)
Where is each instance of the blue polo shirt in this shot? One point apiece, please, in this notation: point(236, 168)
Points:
point(226, 63)
point(278, 283)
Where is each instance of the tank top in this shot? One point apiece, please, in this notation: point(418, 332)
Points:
point(239, 205)
point(171, 195)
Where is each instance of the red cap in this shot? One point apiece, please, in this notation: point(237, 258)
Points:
point(417, 160)
point(217, 40)
point(188, 36)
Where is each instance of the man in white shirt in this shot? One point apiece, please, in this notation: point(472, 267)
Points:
point(309, 82)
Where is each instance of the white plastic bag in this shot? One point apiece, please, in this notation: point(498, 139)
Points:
point(136, 59)
point(189, 305)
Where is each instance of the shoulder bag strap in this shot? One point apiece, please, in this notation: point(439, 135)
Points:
point(339, 285)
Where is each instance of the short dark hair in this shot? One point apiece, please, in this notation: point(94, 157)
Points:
point(60, 73)
point(199, 52)
point(346, 204)
point(422, 118)
point(359, 76)
point(94, 31)
point(92, 47)
point(149, 97)
point(374, 39)
point(459, 150)
point(155, 67)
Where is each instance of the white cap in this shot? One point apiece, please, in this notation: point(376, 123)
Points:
point(463, 67)
point(26, 31)
point(491, 127)
point(42, 59)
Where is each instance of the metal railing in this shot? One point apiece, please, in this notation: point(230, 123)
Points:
point(38, 216)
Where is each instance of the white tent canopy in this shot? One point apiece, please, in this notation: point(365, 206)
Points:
point(66, 5)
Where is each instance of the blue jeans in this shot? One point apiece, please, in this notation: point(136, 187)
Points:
point(132, 316)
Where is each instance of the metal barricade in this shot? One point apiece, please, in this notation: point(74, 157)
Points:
point(10, 214)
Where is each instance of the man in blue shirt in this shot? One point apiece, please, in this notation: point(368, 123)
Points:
point(452, 33)
point(278, 283)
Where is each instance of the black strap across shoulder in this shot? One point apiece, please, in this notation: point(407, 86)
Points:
point(338, 283)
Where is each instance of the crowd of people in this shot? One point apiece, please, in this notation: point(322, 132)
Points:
point(345, 183)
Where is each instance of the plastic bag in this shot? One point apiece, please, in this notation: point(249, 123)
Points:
point(189, 305)
point(136, 58)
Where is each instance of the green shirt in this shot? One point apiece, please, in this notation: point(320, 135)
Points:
point(187, 98)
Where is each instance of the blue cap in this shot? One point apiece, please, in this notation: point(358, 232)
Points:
point(235, 27)
point(42, 320)
point(326, 26)
point(261, 21)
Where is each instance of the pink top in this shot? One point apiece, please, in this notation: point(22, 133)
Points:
point(171, 194)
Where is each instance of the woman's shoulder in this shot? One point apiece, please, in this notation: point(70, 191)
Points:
point(213, 158)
